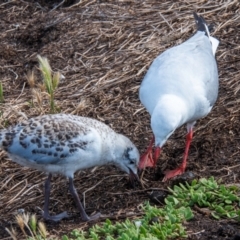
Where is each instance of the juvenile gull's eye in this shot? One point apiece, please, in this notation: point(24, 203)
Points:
point(132, 162)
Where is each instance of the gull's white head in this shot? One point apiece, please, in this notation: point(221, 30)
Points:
point(167, 116)
point(127, 157)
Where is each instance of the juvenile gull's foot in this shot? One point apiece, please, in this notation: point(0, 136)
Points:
point(55, 218)
point(92, 218)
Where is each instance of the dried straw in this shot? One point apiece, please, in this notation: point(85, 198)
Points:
point(104, 48)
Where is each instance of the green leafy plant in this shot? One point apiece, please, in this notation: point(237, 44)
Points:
point(167, 224)
point(222, 201)
point(50, 80)
point(156, 223)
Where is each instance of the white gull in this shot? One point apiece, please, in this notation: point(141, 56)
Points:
point(180, 87)
point(64, 144)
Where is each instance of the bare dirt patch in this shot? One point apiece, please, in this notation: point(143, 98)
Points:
point(104, 48)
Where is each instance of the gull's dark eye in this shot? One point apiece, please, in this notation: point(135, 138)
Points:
point(127, 151)
point(132, 162)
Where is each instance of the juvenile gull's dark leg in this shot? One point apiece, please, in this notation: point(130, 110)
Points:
point(46, 215)
point(74, 193)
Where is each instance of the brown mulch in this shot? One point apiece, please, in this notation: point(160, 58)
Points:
point(104, 48)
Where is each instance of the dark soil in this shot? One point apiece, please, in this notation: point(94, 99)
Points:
point(104, 48)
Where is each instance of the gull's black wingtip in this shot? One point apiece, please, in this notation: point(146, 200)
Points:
point(201, 24)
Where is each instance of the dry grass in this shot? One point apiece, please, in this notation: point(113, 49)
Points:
point(104, 48)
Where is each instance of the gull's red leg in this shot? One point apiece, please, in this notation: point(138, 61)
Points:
point(146, 159)
point(181, 169)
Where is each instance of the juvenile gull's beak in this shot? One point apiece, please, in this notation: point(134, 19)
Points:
point(133, 177)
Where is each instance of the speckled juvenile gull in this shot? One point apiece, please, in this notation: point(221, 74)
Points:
point(64, 144)
point(180, 87)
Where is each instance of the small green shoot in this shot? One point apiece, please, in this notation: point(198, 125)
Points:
point(1, 93)
point(50, 80)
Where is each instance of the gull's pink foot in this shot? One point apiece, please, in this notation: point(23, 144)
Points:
point(173, 173)
point(180, 170)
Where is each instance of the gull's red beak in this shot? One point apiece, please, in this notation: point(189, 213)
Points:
point(146, 160)
point(156, 155)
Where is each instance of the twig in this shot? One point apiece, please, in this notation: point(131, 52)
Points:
point(57, 6)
